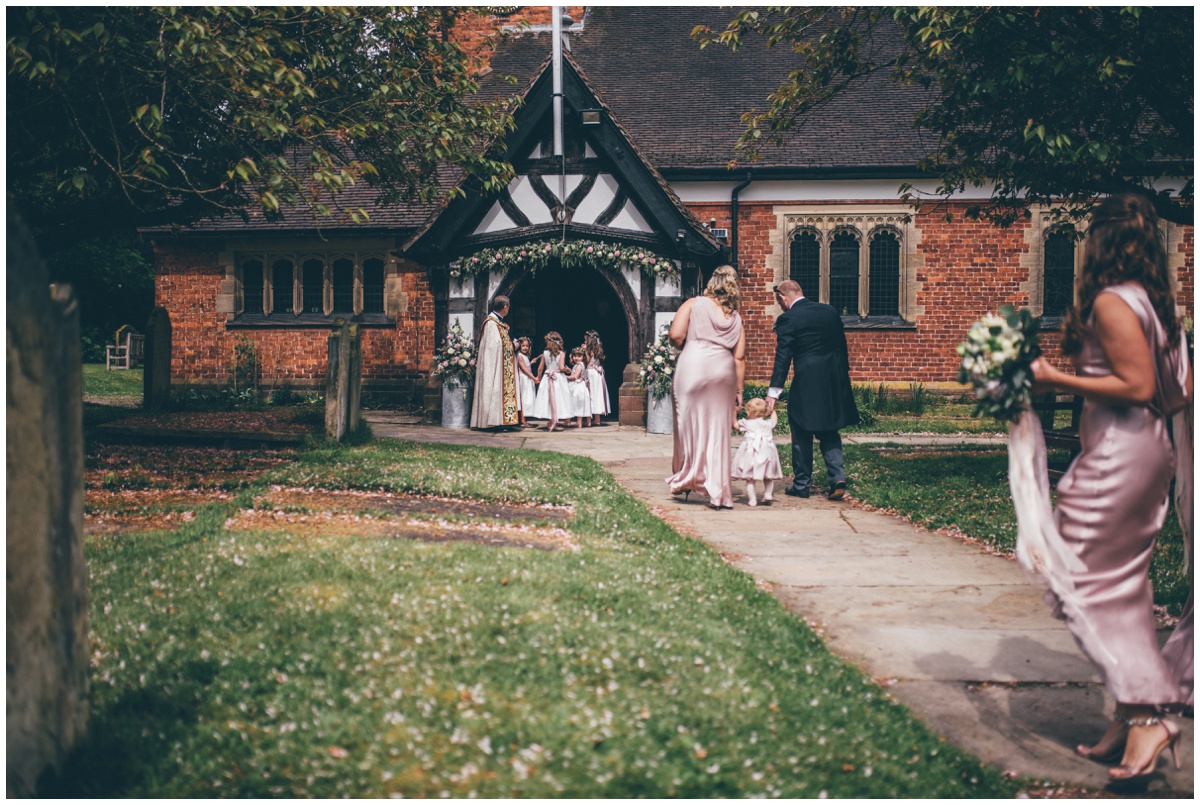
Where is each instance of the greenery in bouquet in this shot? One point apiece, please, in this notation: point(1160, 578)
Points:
point(568, 254)
point(996, 359)
point(454, 360)
point(658, 366)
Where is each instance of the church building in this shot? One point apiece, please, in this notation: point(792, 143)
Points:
point(614, 232)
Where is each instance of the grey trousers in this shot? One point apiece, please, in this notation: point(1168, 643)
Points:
point(802, 456)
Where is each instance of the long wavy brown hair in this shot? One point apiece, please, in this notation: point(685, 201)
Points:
point(723, 288)
point(1123, 245)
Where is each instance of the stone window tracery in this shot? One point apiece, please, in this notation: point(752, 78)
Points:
point(858, 263)
point(284, 286)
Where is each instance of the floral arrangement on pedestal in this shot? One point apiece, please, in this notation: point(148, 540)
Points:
point(454, 360)
point(996, 358)
point(570, 254)
point(658, 366)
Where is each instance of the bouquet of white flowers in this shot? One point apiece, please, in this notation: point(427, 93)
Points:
point(658, 366)
point(454, 360)
point(995, 359)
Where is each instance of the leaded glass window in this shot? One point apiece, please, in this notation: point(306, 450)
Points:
point(1058, 278)
point(843, 273)
point(372, 285)
point(343, 285)
point(252, 286)
point(312, 282)
point(806, 263)
point(281, 286)
point(884, 275)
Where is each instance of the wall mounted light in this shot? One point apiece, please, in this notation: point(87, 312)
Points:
point(589, 117)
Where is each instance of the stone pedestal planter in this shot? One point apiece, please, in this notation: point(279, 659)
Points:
point(660, 417)
point(456, 405)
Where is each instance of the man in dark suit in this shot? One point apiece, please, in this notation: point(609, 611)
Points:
point(810, 335)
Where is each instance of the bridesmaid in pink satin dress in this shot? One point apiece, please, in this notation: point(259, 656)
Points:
point(707, 391)
point(1113, 499)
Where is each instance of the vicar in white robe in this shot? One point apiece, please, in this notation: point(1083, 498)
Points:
point(495, 403)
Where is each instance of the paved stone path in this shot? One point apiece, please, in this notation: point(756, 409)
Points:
point(959, 635)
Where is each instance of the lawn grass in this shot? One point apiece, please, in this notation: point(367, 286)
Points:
point(123, 384)
point(966, 487)
point(279, 663)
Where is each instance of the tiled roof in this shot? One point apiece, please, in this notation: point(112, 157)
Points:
point(399, 217)
point(682, 106)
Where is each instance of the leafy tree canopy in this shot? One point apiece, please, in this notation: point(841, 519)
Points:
point(1045, 104)
point(141, 116)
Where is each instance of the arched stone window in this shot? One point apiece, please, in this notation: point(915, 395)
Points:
point(372, 285)
point(283, 278)
point(312, 285)
point(806, 262)
point(843, 272)
point(1058, 272)
point(275, 288)
point(343, 285)
point(252, 285)
point(883, 275)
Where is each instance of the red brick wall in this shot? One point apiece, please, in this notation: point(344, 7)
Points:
point(187, 280)
point(970, 268)
point(1187, 272)
point(476, 33)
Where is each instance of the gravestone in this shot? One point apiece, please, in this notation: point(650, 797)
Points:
point(156, 377)
point(343, 382)
point(48, 697)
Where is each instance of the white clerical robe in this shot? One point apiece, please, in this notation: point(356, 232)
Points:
point(495, 403)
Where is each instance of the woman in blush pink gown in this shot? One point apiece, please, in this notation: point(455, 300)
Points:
point(707, 391)
point(1125, 340)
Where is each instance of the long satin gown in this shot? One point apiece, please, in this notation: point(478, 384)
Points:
point(1112, 502)
point(703, 395)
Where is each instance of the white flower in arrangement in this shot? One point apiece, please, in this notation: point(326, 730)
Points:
point(658, 358)
point(996, 358)
point(462, 361)
point(667, 371)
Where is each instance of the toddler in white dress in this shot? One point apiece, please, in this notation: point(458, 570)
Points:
point(581, 400)
point(526, 381)
point(757, 458)
point(597, 387)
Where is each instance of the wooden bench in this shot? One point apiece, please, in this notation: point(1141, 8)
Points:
point(128, 353)
point(1067, 438)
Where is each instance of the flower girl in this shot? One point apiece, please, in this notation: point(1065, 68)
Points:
point(526, 380)
point(581, 399)
point(597, 387)
point(553, 399)
point(757, 459)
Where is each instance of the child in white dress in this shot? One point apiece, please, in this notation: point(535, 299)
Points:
point(526, 380)
point(552, 400)
point(757, 459)
point(581, 400)
point(597, 387)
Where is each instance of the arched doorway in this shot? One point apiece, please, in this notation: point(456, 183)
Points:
point(572, 302)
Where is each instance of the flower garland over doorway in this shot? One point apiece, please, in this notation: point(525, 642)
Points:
point(571, 254)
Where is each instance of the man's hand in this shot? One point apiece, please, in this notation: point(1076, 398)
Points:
point(770, 405)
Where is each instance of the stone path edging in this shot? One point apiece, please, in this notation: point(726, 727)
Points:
point(958, 635)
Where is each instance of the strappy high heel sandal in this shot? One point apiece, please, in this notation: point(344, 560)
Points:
point(1114, 750)
point(684, 492)
point(1126, 773)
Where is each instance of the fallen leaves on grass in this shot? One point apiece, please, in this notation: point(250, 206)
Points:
point(436, 529)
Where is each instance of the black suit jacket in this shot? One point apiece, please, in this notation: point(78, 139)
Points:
point(810, 337)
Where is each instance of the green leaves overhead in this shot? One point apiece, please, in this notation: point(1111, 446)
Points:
point(167, 114)
point(1043, 105)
